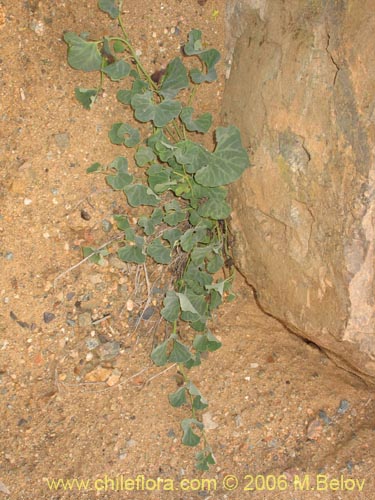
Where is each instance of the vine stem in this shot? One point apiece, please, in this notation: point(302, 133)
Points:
point(126, 40)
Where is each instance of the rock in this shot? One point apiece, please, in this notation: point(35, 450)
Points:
point(116, 262)
point(343, 407)
point(92, 343)
point(114, 378)
point(208, 423)
point(303, 215)
point(106, 225)
point(48, 317)
point(314, 430)
point(95, 279)
point(109, 350)
point(99, 374)
point(148, 312)
point(84, 319)
point(62, 140)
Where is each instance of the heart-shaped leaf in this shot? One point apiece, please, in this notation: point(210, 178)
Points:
point(175, 79)
point(146, 110)
point(117, 70)
point(228, 161)
point(82, 54)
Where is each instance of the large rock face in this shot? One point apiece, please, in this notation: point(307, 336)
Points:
point(302, 91)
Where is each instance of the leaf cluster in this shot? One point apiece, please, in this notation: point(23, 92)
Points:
point(179, 182)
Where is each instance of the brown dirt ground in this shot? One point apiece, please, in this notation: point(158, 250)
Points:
point(266, 387)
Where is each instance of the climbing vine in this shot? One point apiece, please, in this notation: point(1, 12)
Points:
point(180, 184)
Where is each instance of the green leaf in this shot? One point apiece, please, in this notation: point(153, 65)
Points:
point(158, 178)
point(123, 133)
point(159, 354)
point(204, 460)
point(185, 303)
point(157, 216)
point(199, 402)
point(161, 114)
point(215, 208)
point(86, 97)
point(96, 256)
point(119, 181)
point(175, 79)
point(210, 58)
point(82, 54)
point(228, 162)
point(160, 253)
point(199, 304)
point(202, 124)
point(110, 7)
point(193, 236)
point(180, 353)
point(161, 145)
point(194, 45)
point(192, 155)
point(122, 222)
point(189, 438)
point(215, 264)
point(138, 194)
point(119, 47)
point(147, 224)
point(144, 155)
point(125, 96)
point(130, 234)
point(117, 70)
point(93, 168)
point(206, 342)
point(172, 235)
point(174, 218)
point(132, 253)
point(219, 287)
point(199, 254)
point(178, 398)
point(194, 361)
point(215, 300)
point(120, 163)
point(171, 309)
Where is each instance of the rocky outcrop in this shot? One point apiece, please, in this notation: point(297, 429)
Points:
point(302, 91)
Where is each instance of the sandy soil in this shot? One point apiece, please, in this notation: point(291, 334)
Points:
point(79, 396)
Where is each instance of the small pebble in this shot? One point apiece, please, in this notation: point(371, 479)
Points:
point(92, 343)
point(62, 140)
point(85, 215)
point(70, 322)
point(48, 317)
point(106, 225)
point(99, 374)
point(148, 312)
point(114, 378)
point(27, 201)
point(349, 466)
point(109, 350)
point(8, 255)
point(314, 430)
point(70, 295)
point(84, 319)
point(326, 419)
point(343, 407)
